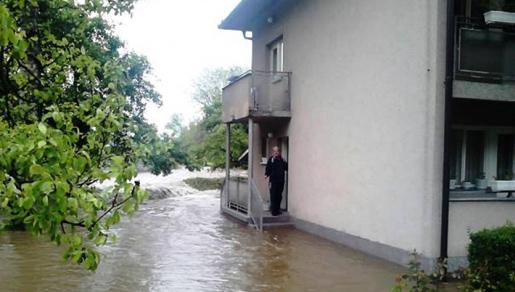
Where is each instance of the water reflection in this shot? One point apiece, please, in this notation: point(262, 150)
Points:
point(183, 243)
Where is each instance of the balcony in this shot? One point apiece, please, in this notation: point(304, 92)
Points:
point(485, 60)
point(258, 95)
point(484, 52)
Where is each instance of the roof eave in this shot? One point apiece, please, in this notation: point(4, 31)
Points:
point(248, 15)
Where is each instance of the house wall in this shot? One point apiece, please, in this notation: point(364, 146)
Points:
point(366, 137)
point(466, 217)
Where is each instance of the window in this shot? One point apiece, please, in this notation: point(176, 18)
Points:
point(276, 55)
point(455, 154)
point(474, 155)
point(467, 155)
point(505, 157)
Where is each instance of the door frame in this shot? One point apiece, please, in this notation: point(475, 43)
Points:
point(283, 142)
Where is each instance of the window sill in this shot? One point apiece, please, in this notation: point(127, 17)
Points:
point(477, 196)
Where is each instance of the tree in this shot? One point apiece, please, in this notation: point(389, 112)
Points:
point(161, 152)
point(174, 126)
point(71, 115)
point(204, 139)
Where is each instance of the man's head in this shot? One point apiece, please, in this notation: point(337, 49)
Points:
point(276, 151)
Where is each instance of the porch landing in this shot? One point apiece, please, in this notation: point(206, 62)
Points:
point(269, 221)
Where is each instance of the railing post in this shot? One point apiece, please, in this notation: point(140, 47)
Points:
point(238, 190)
point(227, 162)
point(250, 164)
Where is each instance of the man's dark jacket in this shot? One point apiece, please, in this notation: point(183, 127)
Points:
point(275, 168)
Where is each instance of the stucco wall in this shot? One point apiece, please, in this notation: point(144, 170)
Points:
point(367, 116)
point(235, 100)
point(465, 217)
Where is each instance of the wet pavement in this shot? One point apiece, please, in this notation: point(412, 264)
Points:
point(183, 243)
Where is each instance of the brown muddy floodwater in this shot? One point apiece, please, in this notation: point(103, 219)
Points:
point(183, 243)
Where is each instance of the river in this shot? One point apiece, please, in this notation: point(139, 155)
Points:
point(179, 241)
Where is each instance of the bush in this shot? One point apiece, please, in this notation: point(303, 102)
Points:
point(492, 259)
point(417, 280)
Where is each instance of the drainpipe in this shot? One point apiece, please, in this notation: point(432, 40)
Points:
point(449, 74)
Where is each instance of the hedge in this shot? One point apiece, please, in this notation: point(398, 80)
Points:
point(491, 256)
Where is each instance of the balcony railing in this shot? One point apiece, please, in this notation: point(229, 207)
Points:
point(484, 52)
point(257, 94)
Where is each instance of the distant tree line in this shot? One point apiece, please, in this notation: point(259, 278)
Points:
point(203, 140)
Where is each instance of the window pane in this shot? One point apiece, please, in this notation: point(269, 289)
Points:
point(474, 156)
point(455, 154)
point(505, 157)
point(274, 60)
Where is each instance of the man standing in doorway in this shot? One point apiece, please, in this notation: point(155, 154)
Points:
point(275, 172)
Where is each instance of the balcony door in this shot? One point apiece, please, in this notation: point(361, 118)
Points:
point(276, 55)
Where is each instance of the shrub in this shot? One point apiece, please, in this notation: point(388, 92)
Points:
point(492, 259)
point(417, 280)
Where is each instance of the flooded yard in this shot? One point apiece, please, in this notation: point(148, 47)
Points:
point(180, 242)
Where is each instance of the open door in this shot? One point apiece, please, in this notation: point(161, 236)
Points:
point(283, 143)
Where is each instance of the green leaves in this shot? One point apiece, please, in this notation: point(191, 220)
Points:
point(42, 128)
point(69, 101)
point(491, 254)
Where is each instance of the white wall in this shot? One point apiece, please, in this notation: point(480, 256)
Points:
point(465, 217)
point(367, 116)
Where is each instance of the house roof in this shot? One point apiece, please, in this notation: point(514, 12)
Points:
point(251, 14)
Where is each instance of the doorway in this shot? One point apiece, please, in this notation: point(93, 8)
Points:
point(282, 142)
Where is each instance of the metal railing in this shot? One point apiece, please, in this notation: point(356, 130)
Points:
point(234, 194)
point(256, 206)
point(484, 51)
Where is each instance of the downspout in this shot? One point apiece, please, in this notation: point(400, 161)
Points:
point(449, 76)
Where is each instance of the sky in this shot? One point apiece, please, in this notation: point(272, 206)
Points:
point(181, 39)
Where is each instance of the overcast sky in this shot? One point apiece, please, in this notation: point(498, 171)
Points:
point(181, 39)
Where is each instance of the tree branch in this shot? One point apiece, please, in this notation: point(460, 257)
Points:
point(114, 205)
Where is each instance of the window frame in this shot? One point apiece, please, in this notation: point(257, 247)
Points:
point(277, 46)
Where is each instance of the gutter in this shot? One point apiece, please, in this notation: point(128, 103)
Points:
point(245, 35)
point(449, 77)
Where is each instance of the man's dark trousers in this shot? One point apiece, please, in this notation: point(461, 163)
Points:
point(276, 196)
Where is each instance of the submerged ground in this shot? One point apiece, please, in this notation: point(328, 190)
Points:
point(179, 241)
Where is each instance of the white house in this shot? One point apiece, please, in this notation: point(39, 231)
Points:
point(397, 119)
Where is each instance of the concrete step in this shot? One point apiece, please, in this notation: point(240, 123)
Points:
point(277, 225)
point(269, 219)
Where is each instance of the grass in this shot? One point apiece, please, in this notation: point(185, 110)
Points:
point(204, 184)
